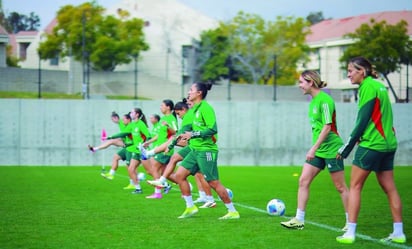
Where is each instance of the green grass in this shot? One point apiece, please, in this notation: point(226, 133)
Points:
point(74, 207)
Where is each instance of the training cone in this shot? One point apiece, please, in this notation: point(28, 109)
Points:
point(104, 135)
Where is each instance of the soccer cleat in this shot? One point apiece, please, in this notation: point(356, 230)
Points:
point(344, 239)
point(167, 189)
point(230, 216)
point(130, 186)
point(189, 211)
point(90, 148)
point(209, 204)
point(293, 224)
point(155, 196)
point(396, 239)
point(137, 191)
point(345, 228)
point(200, 200)
point(157, 183)
point(108, 176)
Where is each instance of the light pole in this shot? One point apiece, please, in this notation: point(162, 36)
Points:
point(135, 74)
point(274, 76)
point(39, 71)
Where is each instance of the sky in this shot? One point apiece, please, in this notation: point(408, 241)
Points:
point(227, 9)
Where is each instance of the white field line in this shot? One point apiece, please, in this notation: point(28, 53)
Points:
point(326, 227)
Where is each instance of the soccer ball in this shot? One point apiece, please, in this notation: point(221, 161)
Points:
point(276, 207)
point(141, 176)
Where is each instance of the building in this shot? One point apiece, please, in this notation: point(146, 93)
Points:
point(4, 40)
point(327, 38)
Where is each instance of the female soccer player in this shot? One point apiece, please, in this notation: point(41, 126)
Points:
point(204, 152)
point(325, 143)
point(377, 145)
point(166, 129)
point(186, 114)
point(116, 142)
point(121, 154)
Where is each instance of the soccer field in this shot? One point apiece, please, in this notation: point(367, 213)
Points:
point(74, 207)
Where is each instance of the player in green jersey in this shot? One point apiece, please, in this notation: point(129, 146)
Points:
point(139, 132)
point(185, 113)
point(377, 145)
point(116, 142)
point(203, 154)
point(120, 154)
point(325, 143)
point(166, 129)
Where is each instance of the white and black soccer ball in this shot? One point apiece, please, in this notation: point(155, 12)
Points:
point(276, 207)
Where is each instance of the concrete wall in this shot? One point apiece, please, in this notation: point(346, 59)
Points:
point(56, 132)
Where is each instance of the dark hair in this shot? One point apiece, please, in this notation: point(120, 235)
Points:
point(141, 115)
point(169, 103)
point(362, 63)
point(114, 115)
point(181, 105)
point(203, 87)
point(127, 116)
point(157, 117)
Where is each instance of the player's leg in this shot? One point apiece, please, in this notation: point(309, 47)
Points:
point(205, 192)
point(337, 173)
point(309, 172)
point(115, 142)
point(132, 169)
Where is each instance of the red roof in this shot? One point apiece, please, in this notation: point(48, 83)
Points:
point(337, 28)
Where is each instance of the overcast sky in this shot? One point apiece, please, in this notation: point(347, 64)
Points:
point(227, 9)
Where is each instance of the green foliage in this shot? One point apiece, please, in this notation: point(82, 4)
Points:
point(315, 17)
point(246, 45)
point(74, 207)
point(108, 41)
point(386, 46)
point(11, 60)
point(16, 22)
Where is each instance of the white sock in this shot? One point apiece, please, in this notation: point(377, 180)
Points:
point(158, 190)
point(112, 172)
point(210, 198)
point(300, 215)
point(162, 179)
point(397, 229)
point(230, 207)
point(202, 195)
point(347, 217)
point(131, 182)
point(188, 200)
point(137, 186)
point(95, 149)
point(351, 230)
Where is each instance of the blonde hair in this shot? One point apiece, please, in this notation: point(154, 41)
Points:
point(313, 76)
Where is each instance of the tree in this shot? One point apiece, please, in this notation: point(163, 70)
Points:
point(248, 44)
point(85, 33)
point(386, 46)
point(16, 22)
point(315, 17)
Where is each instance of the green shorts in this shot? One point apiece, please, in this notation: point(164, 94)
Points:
point(122, 153)
point(203, 161)
point(162, 158)
point(184, 151)
point(132, 155)
point(373, 160)
point(333, 164)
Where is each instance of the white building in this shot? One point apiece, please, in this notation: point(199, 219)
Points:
point(327, 39)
